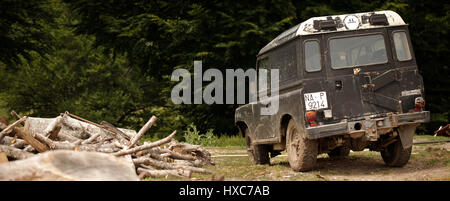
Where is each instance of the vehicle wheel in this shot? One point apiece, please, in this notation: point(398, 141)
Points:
point(339, 152)
point(302, 152)
point(395, 156)
point(258, 154)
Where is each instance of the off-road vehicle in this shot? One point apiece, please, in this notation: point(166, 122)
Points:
point(346, 82)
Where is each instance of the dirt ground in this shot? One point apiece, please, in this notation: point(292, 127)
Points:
point(428, 162)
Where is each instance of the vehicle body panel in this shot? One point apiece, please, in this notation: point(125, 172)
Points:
point(370, 99)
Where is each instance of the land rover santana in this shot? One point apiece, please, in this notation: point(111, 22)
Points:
point(346, 82)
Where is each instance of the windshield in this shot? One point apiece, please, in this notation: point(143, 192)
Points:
point(357, 51)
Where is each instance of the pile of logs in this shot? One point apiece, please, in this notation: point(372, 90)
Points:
point(30, 136)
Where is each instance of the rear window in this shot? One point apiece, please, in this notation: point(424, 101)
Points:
point(312, 56)
point(357, 51)
point(401, 46)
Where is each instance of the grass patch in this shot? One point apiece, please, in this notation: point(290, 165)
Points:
point(429, 138)
point(224, 141)
point(230, 141)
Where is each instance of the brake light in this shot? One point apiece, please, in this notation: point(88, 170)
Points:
point(419, 103)
point(311, 117)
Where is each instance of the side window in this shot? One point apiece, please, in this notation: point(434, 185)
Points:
point(264, 64)
point(288, 69)
point(312, 56)
point(401, 46)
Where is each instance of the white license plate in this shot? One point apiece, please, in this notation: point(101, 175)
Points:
point(315, 101)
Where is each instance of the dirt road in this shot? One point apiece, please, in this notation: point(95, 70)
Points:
point(428, 162)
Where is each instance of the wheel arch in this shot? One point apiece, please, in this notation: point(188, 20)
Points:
point(284, 121)
point(242, 126)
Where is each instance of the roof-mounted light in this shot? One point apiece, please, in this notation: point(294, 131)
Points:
point(328, 24)
point(378, 19)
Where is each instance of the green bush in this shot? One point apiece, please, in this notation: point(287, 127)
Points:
point(193, 136)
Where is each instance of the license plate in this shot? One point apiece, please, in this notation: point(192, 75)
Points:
point(315, 101)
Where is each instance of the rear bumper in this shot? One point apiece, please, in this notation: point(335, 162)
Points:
point(369, 125)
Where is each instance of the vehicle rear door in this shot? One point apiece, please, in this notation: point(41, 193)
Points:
point(360, 74)
point(316, 94)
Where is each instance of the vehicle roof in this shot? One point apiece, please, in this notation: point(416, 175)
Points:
point(307, 27)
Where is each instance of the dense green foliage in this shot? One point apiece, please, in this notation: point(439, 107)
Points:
point(112, 60)
point(193, 136)
point(22, 29)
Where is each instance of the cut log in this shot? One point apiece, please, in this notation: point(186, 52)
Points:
point(74, 134)
point(31, 140)
point(65, 137)
point(56, 145)
point(196, 150)
point(164, 173)
point(82, 119)
point(176, 155)
point(147, 167)
point(69, 165)
point(72, 128)
point(122, 137)
point(3, 157)
point(154, 153)
point(141, 132)
point(155, 150)
point(146, 146)
point(143, 159)
point(182, 162)
point(17, 117)
point(129, 133)
point(30, 149)
point(54, 133)
point(165, 165)
point(91, 139)
point(129, 160)
point(37, 125)
point(196, 163)
point(15, 153)
point(11, 127)
point(53, 128)
point(17, 143)
point(158, 156)
point(121, 146)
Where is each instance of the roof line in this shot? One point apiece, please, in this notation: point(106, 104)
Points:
point(307, 27)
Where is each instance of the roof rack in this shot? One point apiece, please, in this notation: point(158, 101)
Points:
point(336, 23)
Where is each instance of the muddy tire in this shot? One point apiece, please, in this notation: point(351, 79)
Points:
point(258, 154)
point(339, 152)
point(395, 156)
point(302, 152)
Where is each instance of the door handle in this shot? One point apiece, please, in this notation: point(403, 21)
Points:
point(338, 84)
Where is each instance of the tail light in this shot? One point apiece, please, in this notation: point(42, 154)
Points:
point(419, 103)
point(311, 117)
